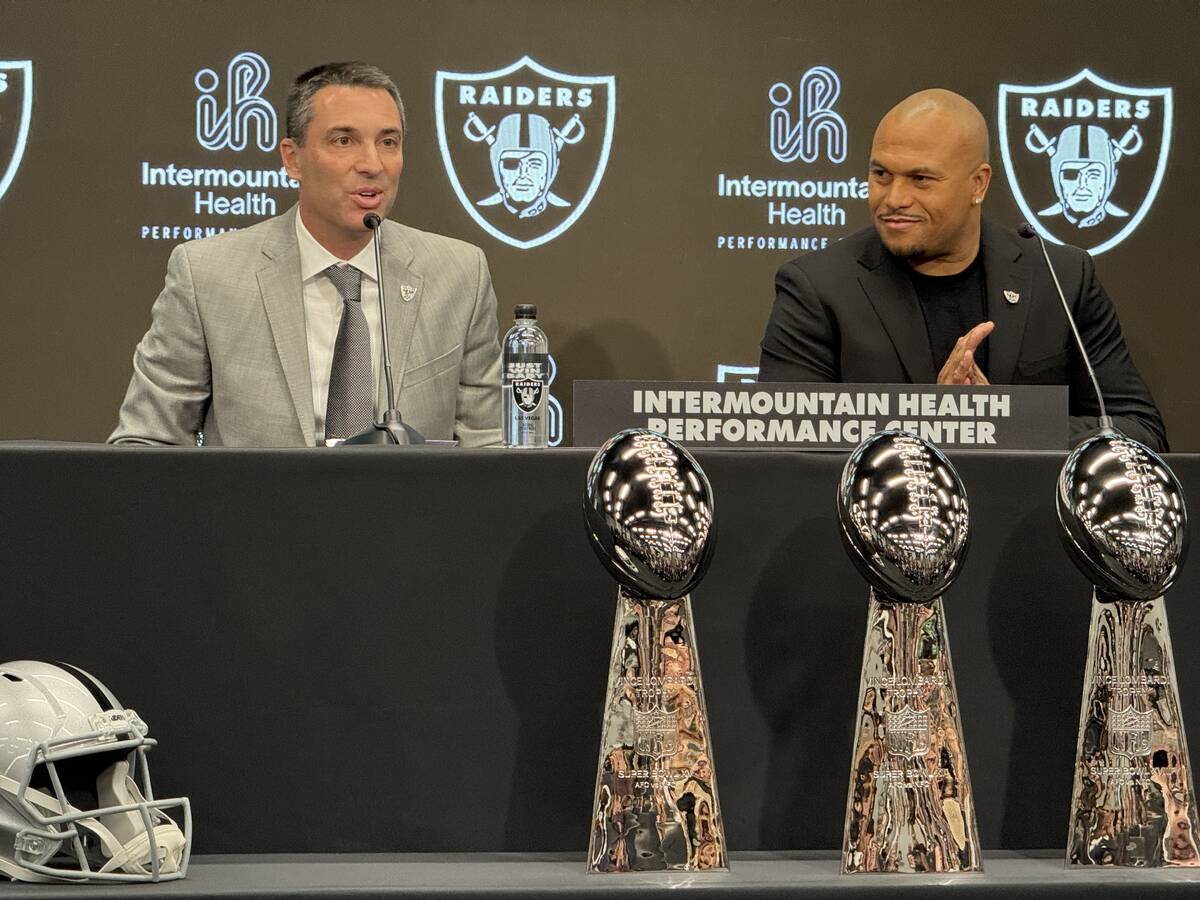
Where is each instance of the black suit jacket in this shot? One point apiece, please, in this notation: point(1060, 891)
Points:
point(849, 313)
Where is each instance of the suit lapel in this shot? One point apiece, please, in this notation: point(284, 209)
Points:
point(402, 298)
point(1004, 272)
point(283, 299)
point(889, 288)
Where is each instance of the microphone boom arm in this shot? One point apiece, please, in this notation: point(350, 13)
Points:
point(392, 429)
point(373, 222)
point(1026, 231)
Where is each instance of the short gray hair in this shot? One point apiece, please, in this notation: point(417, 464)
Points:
point(344, 74)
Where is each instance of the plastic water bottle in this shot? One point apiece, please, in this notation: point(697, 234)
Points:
point(526, 374)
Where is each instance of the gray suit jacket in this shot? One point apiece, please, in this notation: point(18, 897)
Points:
point(227, 351)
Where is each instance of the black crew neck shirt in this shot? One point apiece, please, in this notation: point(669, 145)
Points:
point(952, 306)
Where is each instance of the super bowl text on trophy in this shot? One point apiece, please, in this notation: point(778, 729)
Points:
point(904, 522)
point(649, 514)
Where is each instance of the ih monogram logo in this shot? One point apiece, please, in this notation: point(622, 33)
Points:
point(246, 78)
point(799, 134)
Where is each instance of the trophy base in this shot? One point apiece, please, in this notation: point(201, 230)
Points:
point(1133, 802)
point(910, 806)
point(656, 806)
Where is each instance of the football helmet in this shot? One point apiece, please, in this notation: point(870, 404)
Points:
point(524, 162)
point(77, 804)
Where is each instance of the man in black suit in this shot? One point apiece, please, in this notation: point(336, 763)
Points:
point(935, 293)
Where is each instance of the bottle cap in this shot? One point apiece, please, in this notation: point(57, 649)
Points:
point(525, 311)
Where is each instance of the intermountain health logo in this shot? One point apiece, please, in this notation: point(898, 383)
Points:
point(16, 110)
point(525, 147)
point(1085, 157)
point(239, 180)
point(801, 204)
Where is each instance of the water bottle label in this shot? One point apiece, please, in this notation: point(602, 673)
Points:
point(526, 394)
point(518, 366)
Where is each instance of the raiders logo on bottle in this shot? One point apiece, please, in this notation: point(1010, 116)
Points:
point(527, 393)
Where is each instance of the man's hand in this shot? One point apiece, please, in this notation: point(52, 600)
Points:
point(960, 368)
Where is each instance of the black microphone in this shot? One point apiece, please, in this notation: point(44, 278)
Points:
point(1025, 230)
point(392, 429)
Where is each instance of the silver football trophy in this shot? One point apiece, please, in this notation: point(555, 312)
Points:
point(1124, 523)
point(649, 514)
point(910, 808)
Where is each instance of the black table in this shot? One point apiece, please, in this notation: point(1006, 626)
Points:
point(429, 676)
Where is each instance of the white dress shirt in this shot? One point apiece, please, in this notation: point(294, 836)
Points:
point(323, 315)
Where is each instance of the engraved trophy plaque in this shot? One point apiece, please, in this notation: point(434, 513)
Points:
point(1124, 523)
point(903, 517)
point(649, 514)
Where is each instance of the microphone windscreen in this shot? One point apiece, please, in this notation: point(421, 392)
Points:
point(370, 220)
point(1025, 230)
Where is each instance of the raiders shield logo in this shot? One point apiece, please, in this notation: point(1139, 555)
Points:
point(1084, 157)
point(527, 394)
point(525, 147)
point(16, 109)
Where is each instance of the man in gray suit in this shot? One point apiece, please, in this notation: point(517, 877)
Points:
point(269, 336)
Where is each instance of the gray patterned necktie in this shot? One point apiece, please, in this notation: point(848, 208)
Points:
point(351, 405)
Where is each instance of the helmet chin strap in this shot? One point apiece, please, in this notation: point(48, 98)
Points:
point(132, 852)
point(134, 857)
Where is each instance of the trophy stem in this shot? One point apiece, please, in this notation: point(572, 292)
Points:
point(910, 806)
point(656, 806)
point(1133, 802)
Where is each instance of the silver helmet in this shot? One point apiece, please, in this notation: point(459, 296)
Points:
point(525, 162)
point(1084, 168)
point(77, 802)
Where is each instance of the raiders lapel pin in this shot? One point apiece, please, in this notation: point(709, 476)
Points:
point(407, 291)
point(1010, 296)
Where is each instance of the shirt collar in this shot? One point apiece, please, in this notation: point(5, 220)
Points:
point(315, 259)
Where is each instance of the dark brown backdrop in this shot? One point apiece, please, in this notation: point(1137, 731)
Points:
point(637, 287)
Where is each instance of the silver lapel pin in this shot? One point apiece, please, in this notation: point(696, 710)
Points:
point(1010, 296)
point(407, 291)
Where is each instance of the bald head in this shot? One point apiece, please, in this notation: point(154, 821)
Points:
point(957, 119)
point(929, 175)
